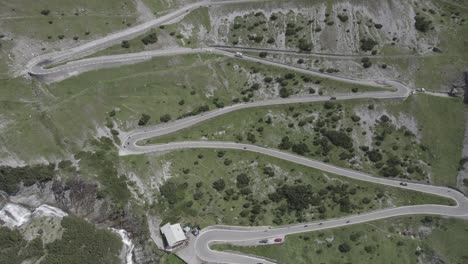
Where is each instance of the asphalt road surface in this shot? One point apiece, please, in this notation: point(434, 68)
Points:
point(38, 67)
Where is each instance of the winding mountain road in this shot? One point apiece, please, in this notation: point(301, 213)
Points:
point(391, 89)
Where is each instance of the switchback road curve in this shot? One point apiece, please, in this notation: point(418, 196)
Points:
point(39, 68)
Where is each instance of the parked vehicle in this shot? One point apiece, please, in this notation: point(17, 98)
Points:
point(333, 98)
point(278, 240)
point(264, 241)
point(239, 55)
point(403, 184)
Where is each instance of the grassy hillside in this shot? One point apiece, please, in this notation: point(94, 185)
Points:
point(395, 240)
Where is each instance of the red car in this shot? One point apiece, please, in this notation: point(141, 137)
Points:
point(278, 240)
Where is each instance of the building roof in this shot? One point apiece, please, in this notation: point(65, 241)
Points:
point(173, 233)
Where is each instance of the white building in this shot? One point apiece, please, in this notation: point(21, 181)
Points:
point(174, 235)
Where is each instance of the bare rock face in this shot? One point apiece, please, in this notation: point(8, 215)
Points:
point(80, 198)
point(466, 86)
point(77, 197)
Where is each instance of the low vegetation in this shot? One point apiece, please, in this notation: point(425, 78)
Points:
point(396, 240)
point(12, 177)
point(335, 132)
point(241, 188)
point(83, 243)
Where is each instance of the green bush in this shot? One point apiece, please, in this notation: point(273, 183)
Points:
point(150, 39)
point(219, 185)
point(242, 180)
point(367, 44)
point(343, 17)
point(82, 243)
point(422, 23)
point(165, 118)
point(339, 139)
point(11, 177)
point(304, 45)
point(144, 119)
point(125, 44)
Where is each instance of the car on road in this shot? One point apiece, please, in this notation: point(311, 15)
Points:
point(263, 241)
point(320, 223)
point(239, 55)
point(347, 222)
point(333, 98)
point(403, 184)
point(278, 240)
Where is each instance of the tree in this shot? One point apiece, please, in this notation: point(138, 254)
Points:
point(144, 119)
point(263, 54)
point(219, 185)
point(242, 180)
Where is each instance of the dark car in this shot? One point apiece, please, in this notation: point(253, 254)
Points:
point(264, 241)
point(403, 184)
point(333, 98)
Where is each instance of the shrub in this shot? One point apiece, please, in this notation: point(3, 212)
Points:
point(343, 17)
point(242, 180)
point(374, 155)
point(422, 23)
point(304, 45)
point(355, 118)
point(378, 26)
point(284, 92)
point(165, 118)
point(271, 40)
point(289, 75)
point(219, 185)
point(339, 139)
point(263, 54)
point(270, 172)
point(125, 44)
point(285, 143)
point(268, 79)
point(144, 119)
point(45, 12)
point(367, 44)
point(149, 39)
point(300, 148)
point(344, 248)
